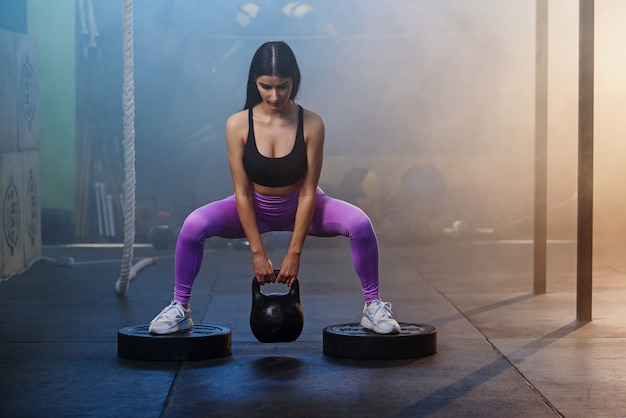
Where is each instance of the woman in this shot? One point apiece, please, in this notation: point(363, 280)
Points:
point(276, 189)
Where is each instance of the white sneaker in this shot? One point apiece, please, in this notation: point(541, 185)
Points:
point(173, 318)
point(377, 317)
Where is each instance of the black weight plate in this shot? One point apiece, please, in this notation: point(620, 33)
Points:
point(202, 343)
point(355, 342)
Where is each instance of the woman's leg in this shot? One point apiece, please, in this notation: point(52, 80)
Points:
point(336, 217)
point(218, 218)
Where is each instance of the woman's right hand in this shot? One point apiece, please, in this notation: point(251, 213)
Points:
point(263, 269)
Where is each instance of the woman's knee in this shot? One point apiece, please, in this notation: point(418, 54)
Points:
point(362, 227)
point(194, 226)
point(358, 223)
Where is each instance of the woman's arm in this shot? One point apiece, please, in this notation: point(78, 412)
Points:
point(236, 131)
point(314, 133)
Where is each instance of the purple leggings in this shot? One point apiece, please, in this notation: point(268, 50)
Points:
point(332, 217)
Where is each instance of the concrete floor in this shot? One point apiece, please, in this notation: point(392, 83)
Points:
point(502, 350)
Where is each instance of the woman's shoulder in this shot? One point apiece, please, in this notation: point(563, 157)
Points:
point(312, 118)
point(313, 126)
point(239, 116)
point(237, 126)
point(237, 120)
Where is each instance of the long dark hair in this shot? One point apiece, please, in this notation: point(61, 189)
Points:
point(272, 58)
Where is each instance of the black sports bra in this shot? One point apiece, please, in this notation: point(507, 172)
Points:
point(275, 172)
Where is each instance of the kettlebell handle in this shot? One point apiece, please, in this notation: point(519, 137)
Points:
point(276, 271)
point(257, 287)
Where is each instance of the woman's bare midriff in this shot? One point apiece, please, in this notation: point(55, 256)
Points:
point(276, 191)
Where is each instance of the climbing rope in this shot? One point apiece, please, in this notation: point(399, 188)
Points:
point(128, 97)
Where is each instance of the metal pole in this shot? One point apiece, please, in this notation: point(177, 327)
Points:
point(541, 147)
point(585, 161)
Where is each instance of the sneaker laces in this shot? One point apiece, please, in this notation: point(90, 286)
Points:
point(172, 311)
point(382, 310)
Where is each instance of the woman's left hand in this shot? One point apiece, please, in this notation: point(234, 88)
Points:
point(289, 269)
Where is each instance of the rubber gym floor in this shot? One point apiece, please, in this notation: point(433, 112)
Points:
point(502, 351)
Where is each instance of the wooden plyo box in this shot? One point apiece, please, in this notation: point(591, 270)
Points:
point(20, 218)
point(19, 211)
point(31, 205)
point(8, 92)
point(27, 93)
point(12, 211)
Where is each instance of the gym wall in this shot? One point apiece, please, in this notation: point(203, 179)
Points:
point(53, 25)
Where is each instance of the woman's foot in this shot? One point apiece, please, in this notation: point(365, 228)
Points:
point(377, 316)
point(173, 318)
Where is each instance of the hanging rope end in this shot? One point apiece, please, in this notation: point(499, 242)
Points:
point(122, 283)
point(121, 286)
point(140, 265)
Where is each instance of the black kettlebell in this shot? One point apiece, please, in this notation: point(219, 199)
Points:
point(276, 317)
